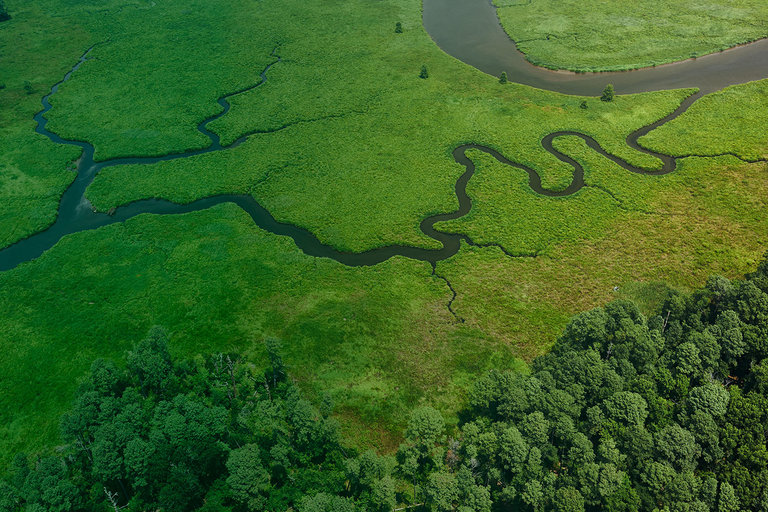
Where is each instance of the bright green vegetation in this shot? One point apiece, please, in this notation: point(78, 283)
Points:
point(608, 36)
point(637, 229)
point(627, 412)
point(350, 143)
point(210, 433)
point(181, 77)
point(143, 94)
point(44, 39)
point(388, 162)
point(33, 171)
point(728, 121)
point(381, 144)
point(505, 211)
point(377, 340)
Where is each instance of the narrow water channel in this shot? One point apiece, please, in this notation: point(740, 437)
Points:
point(466, 29)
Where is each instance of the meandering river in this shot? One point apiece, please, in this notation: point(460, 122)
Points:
point(470, 31)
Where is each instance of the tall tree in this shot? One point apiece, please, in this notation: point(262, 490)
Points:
point(607, 93)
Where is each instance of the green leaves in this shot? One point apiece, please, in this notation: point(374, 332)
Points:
point(607, 93)
point(180, 435)
point(441, 491)
point(322, 502)
point(628, 414)
point(624, 414)
point(425, 428)
point(248, 480)
point(626, 408)
point(678, 447)
point(727, 500)
point(709, 398)
point(150, 362)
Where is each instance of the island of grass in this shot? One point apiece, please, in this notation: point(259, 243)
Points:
point(612, 36)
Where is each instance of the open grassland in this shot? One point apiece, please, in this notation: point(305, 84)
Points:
point(342, 128)
point(321, 175)
point(343, 114)
point(610, 36)
point(707, 218)
point(506, 212)
point(184, 55)
point(377, 340)
point(349, 143)
point(729, 121)
point(181, 76)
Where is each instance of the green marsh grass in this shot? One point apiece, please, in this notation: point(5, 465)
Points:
point(358, 151)
point(729, 121)
point(333, 142)
point(345, 120)
point(376, 339)
point(33, 171)
point(613, 36)
point(706, 218)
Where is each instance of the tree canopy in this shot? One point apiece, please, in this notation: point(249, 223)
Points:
point(607, 93)
point(207, 434)
point(626, 413)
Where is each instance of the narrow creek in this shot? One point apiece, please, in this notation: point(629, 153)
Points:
point(76, 214)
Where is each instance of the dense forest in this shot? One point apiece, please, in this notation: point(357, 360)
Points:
point(668, 413)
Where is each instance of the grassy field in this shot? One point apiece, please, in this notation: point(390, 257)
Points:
point(45, 38)
point(728, 121)
point(303, 164)
point(181, 76)
point(349, 142)
point(706, 218)
point(383, 145)
point(33, 171)
point(377, 340)
point(506, 212)
point(610, 36)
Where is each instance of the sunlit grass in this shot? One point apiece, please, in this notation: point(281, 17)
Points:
point(376, 339)
point(359, 151)
point(729, 121)
point(609, 36)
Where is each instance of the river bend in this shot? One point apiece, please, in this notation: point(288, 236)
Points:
point(466, 29)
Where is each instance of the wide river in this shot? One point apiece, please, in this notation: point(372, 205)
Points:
point(470, 31)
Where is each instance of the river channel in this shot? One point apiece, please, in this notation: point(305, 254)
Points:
point(466, 29)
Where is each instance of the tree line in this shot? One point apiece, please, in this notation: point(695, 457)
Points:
point(626, 413)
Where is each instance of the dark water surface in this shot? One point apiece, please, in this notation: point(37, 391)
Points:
point(470, 31)
point(466, 29)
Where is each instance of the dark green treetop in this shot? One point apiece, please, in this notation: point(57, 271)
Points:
point(607, 93)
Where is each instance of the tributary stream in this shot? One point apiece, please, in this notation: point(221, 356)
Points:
point(470, 31)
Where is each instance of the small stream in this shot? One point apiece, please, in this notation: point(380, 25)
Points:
point(467, 29)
